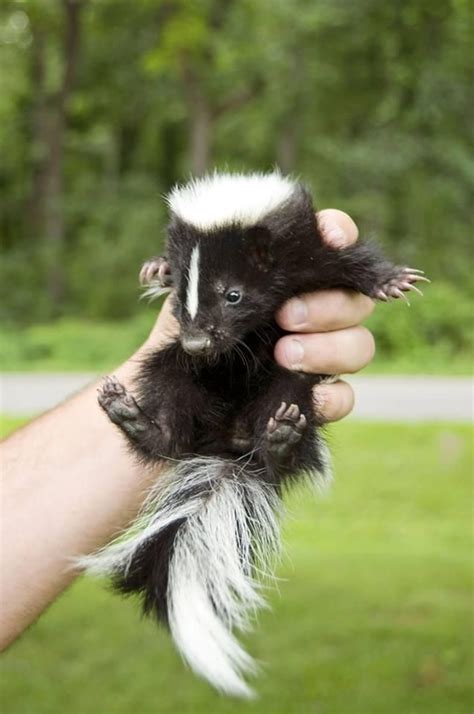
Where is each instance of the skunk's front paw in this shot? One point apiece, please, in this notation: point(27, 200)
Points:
point(285, 429)
point(156, 270)
point(401, 281)
point(120, 406)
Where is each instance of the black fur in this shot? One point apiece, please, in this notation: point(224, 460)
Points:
point(227, 402)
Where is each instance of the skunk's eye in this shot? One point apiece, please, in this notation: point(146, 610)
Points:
point(233, 296)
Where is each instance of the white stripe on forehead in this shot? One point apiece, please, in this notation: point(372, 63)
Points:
point(192, 297)
point(222, 199)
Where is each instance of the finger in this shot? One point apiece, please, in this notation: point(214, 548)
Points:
point(334, 401)
point(340, 352)
point(337, 228)
point(324, 310)
point(166, 327)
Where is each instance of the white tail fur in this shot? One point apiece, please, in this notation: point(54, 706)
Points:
point(231, 532)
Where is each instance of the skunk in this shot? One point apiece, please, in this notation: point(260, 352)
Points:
point(234, 426)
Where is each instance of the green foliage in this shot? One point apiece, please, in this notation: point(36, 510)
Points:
point(73, 345)
point(102, 273)
point(371, 616)
point(369, 102)
point(434, 334)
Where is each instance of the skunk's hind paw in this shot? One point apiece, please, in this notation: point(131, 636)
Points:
point(285, 428)
point(401, 281)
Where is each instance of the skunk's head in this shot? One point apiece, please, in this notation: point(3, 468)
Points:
point(234, 242)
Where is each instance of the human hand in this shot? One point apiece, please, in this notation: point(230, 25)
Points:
point(330, 335)
point(327, 336)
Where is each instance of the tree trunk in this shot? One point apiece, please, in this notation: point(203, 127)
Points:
point(200, 137)
point(286, 147)
point(53, 211)
point(200, 121)
point(35, 204)
point(287, 142)
point(53, 227)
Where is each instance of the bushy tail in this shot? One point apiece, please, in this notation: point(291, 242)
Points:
point(206, 531)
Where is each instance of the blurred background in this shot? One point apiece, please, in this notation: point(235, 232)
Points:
point(104, 105)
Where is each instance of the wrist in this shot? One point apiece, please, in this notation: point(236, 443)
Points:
point(128, 370)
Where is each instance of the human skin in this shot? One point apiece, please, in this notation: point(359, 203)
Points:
point(69, 484)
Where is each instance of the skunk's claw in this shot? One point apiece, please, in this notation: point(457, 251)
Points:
point(285, 429)
point(412, 275)
point(402, 281)
point(156, 270)
point(410, 286)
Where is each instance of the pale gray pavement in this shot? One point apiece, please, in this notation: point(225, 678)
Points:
point(382, 398)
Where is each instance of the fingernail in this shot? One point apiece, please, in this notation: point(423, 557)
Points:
point(298, 312)
point(294, 353)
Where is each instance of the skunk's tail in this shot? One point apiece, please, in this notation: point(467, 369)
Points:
point(206, 530)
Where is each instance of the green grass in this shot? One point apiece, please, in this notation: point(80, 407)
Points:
point(8, 424)
point(373, 614)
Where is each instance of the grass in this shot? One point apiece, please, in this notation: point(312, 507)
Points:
point(9, 424)
point(372, 616)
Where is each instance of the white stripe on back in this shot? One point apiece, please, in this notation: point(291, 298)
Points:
point(192, 297)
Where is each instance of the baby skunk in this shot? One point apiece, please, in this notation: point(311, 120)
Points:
point(235, 427)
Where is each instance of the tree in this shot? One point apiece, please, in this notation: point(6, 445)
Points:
point(212, 77)
point(105, 105)
point(48, 127)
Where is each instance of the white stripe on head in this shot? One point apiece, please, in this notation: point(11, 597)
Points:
point(221, 199)
point(192, 297)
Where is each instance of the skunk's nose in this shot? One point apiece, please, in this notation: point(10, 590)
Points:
point(197, 344)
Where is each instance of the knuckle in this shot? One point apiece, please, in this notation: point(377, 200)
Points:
point(367, 305)
point(339, 304)
point(334, 401)
point(323, 354)
point(331, 218)
point(362, 342)
point(324, 320)
point(355, 349)
point(341, 308)
point(330, 309)
point(369, 344)
point(348, 398)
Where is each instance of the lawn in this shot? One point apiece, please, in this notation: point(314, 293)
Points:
point(373, 613)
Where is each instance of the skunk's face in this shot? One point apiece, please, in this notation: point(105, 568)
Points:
point(222, 289)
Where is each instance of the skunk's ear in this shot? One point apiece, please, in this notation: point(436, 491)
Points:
point(259, 244)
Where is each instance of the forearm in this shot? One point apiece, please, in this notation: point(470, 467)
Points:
point(68, 485)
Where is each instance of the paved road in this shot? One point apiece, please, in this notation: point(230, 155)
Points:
point(381, 398)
